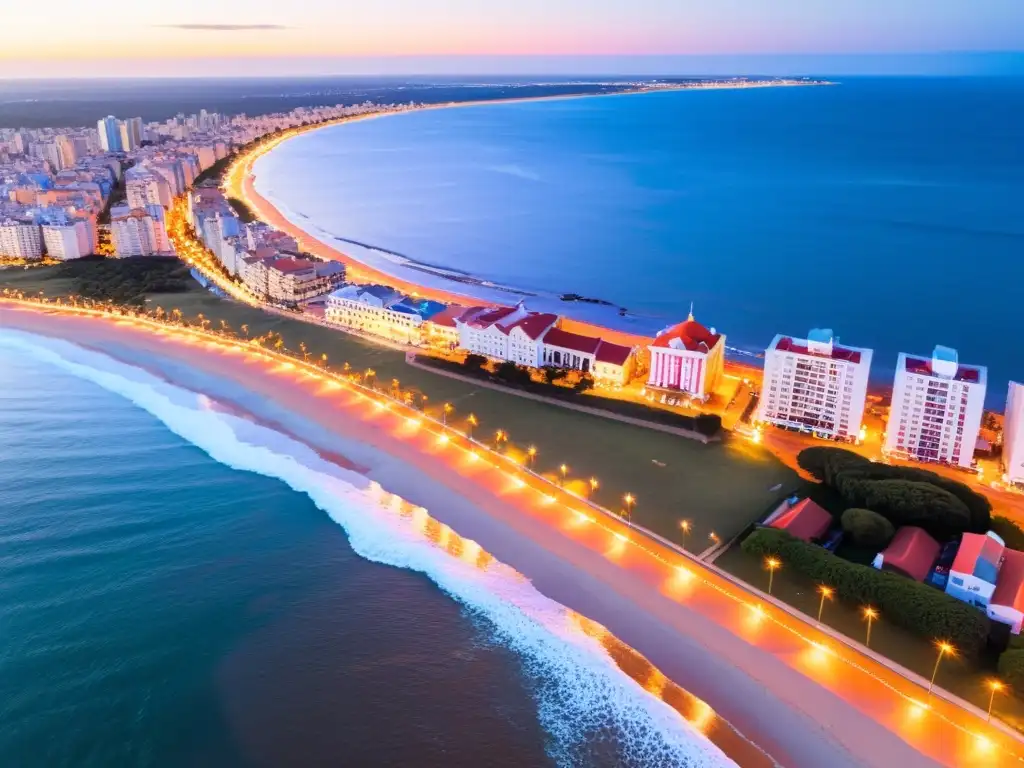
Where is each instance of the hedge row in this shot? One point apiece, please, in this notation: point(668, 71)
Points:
point(916, 607)
point(1009, 532)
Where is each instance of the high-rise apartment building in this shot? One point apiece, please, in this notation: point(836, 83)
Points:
point(139, 231)
point(1013, 435)
point(67, 241)
point(815, 385)
point(110, 134)
point(937, 404)
point(20, 239)
point(144, 187)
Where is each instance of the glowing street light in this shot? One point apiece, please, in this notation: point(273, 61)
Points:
point(593, 486)
point(870, 614)
point(772, 564)
point(995, 687)
point(531, 455)
point(686, 526)
point(943, 648)
point(472, 422)
point(826, 594)
point(630, 502)
point(563, 471)
point(445, 410)
point(500, 436)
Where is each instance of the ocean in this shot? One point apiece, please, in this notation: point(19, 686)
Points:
point(185, 587)
point(885, 208)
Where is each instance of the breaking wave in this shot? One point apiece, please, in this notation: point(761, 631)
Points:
point(592, 711)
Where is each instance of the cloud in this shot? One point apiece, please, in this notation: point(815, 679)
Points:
point(222, 27)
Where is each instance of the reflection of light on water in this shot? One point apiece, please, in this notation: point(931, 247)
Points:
point(702, 717)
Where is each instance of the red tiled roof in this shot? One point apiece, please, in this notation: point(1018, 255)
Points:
point(787, 344)
point(447, 317)
point(483, 317)
point(805, 520)
point(975, 546)
point(556, 337)
point(911, 553)
point(613, 354)
point(1010, 587)
point(923, 367)
point(533, 325)
point(292, 265)
point(692, 334)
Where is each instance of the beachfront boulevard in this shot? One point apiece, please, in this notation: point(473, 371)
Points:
point(797, 662)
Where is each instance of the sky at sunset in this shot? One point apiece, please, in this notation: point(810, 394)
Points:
point(267, 37)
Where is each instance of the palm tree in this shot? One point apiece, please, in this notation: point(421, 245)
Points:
point(303, 350)
point(245, 330)
point(279, 343)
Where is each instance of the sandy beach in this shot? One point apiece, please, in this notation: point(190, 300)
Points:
point(788, 687)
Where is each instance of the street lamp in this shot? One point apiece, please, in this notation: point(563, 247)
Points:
point(772, 564)
point(826, 594)
point(630, 501)
point(444, 413)
point(593, 486)
point(943, 648)
point(870, 614)
point(531, 455)
point(995, 687)
point(499, 438)
point(472, 422)
point(563, 470)
point(685, 525)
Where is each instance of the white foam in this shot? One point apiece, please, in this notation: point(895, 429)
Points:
point(582, 694)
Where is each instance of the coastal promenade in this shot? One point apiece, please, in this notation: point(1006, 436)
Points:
point(733, 638)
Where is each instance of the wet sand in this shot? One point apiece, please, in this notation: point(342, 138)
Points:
point(756, 678)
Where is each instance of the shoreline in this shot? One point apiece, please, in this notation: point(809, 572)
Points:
point(757, 676)
point(239, 181)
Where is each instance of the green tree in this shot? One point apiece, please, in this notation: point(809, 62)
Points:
point(866, 528)
point(824, 463)
point(1009, 532)
point(474, 362)
point(553, 374)
point(905, 502)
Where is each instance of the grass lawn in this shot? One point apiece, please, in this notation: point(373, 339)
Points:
point(964, 677)
point(721, 487)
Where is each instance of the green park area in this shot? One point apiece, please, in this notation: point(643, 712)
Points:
point(908, 619)
point(720, 487)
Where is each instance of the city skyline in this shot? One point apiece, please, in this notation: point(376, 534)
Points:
point(260, 38)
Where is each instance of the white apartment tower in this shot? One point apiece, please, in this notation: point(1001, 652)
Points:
point(144, 187)
point(1013, 435)
point(937, 404)
point(66, 241)
point(815, 385)
point(20, 240)
point(139, 231)
point(110, 134)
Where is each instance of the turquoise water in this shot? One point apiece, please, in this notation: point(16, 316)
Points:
point(887, 209)
point(182, 586)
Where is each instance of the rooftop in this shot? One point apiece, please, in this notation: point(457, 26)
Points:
point(588, 345)
point(921, 366)
point(533, 325)
point(689, 335)
point(979, 556)
point(912, 553)
point(802, 347)
point(447, 316)
point(613, 354)
point(1009, 590)
point(804, 520)
point(292, 266)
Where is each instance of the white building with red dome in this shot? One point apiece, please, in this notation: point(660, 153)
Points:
point(687, 358)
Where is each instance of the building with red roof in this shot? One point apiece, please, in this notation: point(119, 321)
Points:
point(911, 553)
point(1007, 602)
point(687, 357)
point(441, 329)
point(975, 570)
point(505, 333)
point(805, 520)
point(611, 363)
point(937, 406)
point(815, 385)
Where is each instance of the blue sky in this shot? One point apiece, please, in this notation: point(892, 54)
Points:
point(263, 37)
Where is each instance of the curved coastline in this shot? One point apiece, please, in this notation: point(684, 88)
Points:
point(759, 676)
point(240, 182)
